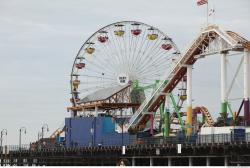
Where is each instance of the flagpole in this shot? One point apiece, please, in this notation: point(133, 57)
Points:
point(213, 14)
point(207, 12)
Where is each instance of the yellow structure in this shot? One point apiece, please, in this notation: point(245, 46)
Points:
point(152, 36)
point(90, 50)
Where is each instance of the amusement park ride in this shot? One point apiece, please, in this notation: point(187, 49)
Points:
point(133, 71)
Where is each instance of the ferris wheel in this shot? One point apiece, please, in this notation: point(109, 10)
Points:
point(119, 54)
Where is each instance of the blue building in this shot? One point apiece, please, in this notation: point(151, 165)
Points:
point(93, 131)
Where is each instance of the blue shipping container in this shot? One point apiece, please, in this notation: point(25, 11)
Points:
point(93, 131)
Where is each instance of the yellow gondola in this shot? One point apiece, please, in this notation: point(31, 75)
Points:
point(152, 36)
point(183, 97)
point(76, 83)
point(119, 32)
point(90, 50)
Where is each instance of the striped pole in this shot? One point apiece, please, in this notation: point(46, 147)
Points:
point(246, 88)
point(223, 86)
point(189, 100)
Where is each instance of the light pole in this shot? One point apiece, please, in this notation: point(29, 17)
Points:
point(22, 129)
point(38, 136)
point(122, 125)
point(3, 132)
point(44, 127)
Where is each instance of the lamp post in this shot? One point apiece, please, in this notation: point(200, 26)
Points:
point(44, 127)
point(92, 135)
point(3, 132)
point(38, 136)
point(122, 125)
point(22, 129)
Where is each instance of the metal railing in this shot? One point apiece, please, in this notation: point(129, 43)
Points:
point(134, 141)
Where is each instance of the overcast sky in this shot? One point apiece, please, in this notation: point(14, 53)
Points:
point(39, 40)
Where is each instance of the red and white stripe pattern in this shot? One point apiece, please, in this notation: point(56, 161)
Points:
point(201, 2)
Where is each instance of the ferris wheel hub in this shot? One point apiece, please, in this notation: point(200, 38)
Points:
point(123, 79)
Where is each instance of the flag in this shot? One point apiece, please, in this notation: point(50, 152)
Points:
point(211, 11)
point(201, 2)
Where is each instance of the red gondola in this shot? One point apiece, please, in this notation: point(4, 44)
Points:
point(80, 65)
point(103, 39)
point(136, 32)
point(166, 46)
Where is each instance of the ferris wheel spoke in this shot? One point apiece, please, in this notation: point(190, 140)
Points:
point(158, 55)
point(127, 45)
point(118, 48)
point(151, 43)
point(137, 40)
point(133, 43)
point(148, 56)
point(135, 55)
point(153, 74)
point(94, 82)
point(92, 76)
point(99, 86)
point(154, 63)
point(118, 55)
point(91, 88)
point(147, 59)
point(106, 57)
point(139, 53)
point(106, 60)
point(134, 40)
point(111, 53)
point(96, 73)
point(102, 67)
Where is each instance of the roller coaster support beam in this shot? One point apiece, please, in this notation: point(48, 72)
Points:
point(151, 124)
point(162, 120)
point(177, 110)
point(246, 88)
point(166, 123)
point(223, 86)
point(189, 100)
point(96, 111)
